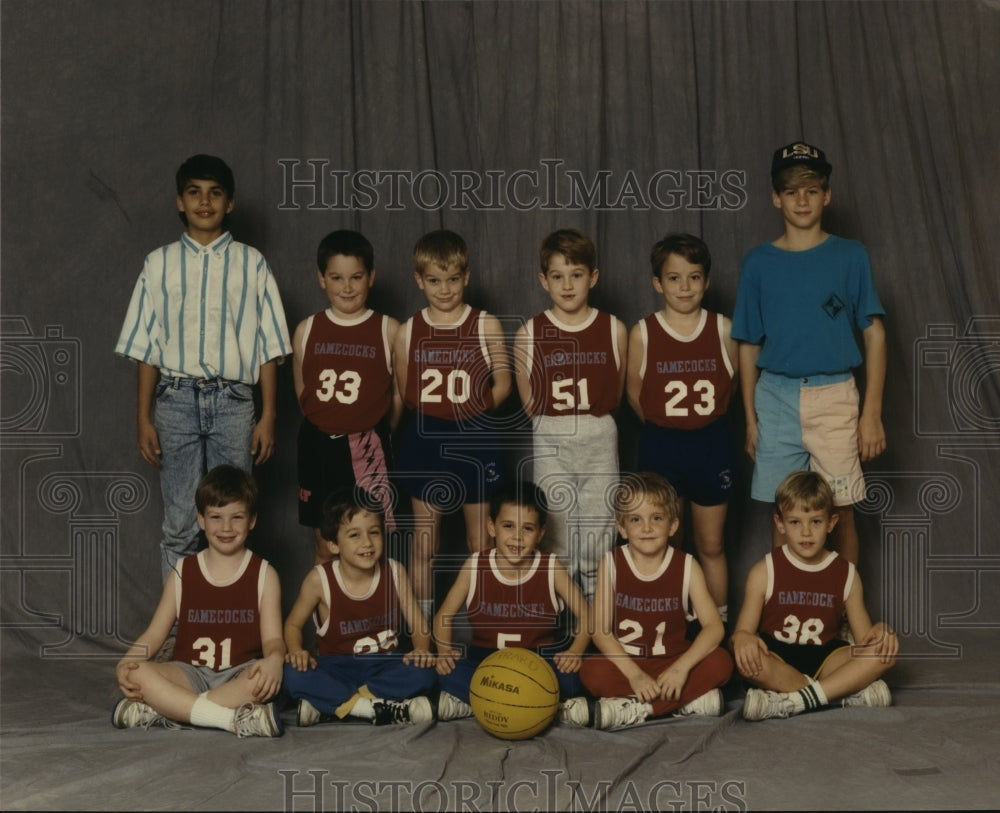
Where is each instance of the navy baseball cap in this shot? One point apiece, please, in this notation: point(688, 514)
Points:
point(800, 154)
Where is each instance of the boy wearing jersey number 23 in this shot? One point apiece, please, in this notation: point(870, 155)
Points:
point(785, 642)
point(681, 365)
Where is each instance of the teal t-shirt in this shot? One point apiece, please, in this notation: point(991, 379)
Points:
point(805, 307)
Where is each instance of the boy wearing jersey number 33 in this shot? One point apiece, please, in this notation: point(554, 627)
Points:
point(343, 381)
point(785, 641)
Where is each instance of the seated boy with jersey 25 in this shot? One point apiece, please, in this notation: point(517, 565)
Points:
point(226, 603)
point(359, 600)
point(785, 640)
point(514, 594)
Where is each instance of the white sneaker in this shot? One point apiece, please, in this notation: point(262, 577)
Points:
point(612, 712)
point(258, 720)
point(402, 712)
point(761, 704)
point(710, 704)
point(875, 695)
point(451, 708)
point(574, 711)
point(308, 714)
point(134, 714)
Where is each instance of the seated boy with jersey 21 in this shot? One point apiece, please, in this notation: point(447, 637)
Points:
point(226, 603)
point(785, 640)
point(645, 591)
point(514, 594)
point(359, 600)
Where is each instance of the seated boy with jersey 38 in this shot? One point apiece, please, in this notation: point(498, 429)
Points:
point(785, 642)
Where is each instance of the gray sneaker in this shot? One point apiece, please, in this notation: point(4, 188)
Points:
point(451, 708)
point(258, 720)
point(761, 704)
point(710, 704)
point(135, 714)
point(402, 712)
point(875, 695)
point(612, 712)
point(574, 711)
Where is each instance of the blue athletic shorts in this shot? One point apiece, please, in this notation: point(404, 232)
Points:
point(448, 464)
point(699, 463)
point(807, 423)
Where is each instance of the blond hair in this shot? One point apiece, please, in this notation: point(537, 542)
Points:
point(641, 487)
point(806, 490)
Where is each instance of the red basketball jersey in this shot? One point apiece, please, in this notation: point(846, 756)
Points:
point(359, 625)
point(346, 372)
point(687, 381)
point(804, 603)
point(650, 614)
point(448, 367)
point(574, 368)
point(504, 612)
point(218, 623)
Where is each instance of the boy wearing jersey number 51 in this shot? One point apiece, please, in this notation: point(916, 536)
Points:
point(785, 641)
point(343, 381)
point(681, 364)
point(570, 372)
point(452, 370)
point(226, 604)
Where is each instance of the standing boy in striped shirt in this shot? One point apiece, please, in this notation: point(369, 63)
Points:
point(204, 325)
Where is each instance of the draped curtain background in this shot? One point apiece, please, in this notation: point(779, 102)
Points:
point(502, 121)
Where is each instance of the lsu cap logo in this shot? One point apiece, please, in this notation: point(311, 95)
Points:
point(800, 154)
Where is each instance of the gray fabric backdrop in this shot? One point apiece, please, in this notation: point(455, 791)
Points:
point(502, 121)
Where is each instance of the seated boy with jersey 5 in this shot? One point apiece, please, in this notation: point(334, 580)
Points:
point(785, 640)
point(514, 594)
point(645, 592)
point(358, 600)
point(226, 603)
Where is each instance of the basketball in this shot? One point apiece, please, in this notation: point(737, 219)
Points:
point(514, 694)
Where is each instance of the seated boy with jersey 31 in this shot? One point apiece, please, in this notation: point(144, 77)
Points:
point(785, 642)
point(359, 601)
point(226, 603)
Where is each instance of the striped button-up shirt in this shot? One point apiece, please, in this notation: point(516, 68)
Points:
point(205, 312)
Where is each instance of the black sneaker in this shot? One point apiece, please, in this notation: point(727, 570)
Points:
point(402, 712)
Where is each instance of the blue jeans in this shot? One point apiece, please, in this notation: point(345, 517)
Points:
point(201, 424)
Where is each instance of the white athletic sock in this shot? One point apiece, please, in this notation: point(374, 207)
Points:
point(427, 607)
point(724, 613)
point(209, 714)
point(362, 708)
point(809, 697)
